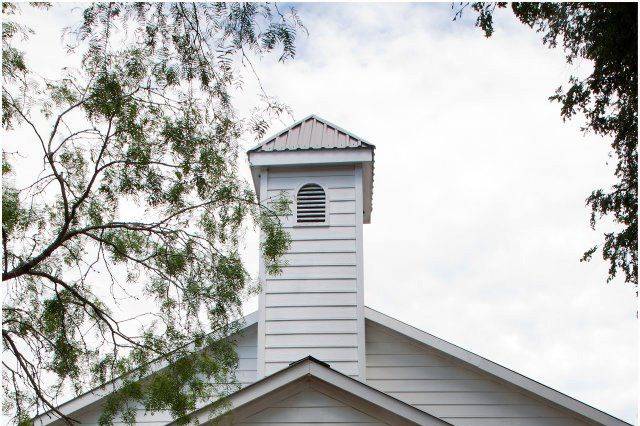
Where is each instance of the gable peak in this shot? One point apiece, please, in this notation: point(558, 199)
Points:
point(312, 132)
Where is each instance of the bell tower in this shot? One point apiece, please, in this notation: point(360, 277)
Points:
point(315, 306)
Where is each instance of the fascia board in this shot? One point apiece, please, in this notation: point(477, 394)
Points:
point(531, 386)
point(308, 157)
point(374, 396)
point(96, 394)
point(257, 390)
point(313, 370)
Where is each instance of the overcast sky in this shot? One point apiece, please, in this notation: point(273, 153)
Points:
point(478, 218)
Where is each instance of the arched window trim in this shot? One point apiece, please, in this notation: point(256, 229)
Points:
point(305, 221)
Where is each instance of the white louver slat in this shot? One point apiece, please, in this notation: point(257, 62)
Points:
point(311, 204)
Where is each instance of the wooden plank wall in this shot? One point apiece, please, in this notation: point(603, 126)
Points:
point(311, 407)
point(310, 308)
point(444, 388)
point(245, 375)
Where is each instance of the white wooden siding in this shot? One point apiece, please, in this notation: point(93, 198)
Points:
point(319, 259)
point(313, 233)
point(310, 407)
point(343, 197)
point(330, 355)
point(246, 345)
point(311, 272)
point(312, 327)
point(279, 183)
point(444, 388)
point(275, 286)
point(296, 313)
point(323, 246)
point(310, 307)
point(311, 299)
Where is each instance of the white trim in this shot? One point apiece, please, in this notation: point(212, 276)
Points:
point(525, 384)
point(475, 361)
point(262, 276)
point(258, 161)
point(306, 157)
point(367, 176)
point(362, 363)
point(96, 394)
point(310, 368)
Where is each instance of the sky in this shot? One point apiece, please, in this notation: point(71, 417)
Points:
point(479, 217)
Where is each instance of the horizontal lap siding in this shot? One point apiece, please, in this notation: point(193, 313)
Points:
point(310, 407)
point(311, 272)
point(247, 350)
point(319, 259)
point(329, 355)
point(332, 340)
point(323, 246)
point(444, 388)
point(343, 216)
point(349, 368)
point(275, 286)
point(286, 313)
point(310, 299)
point(312, 327)
point(246, 345)
point(310, 306)
point(327, 181)
point(342, 206)
point(313, 233)
point(334, 195)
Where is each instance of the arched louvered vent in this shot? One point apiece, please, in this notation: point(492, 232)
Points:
point(311, 204)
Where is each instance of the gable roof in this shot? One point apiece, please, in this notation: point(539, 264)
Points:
point(470, 359)
point(98, 393)
point(312, 132)
point(310, 368)
point(476, 362)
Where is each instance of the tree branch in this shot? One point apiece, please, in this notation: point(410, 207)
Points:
point(34, 384)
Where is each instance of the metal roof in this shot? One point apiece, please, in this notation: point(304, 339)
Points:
point(311, 132)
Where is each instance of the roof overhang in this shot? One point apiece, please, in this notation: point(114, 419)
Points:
point(333, 378)
point(310, 371)
point(261, 160)
point(94, 396)
point(524, 384)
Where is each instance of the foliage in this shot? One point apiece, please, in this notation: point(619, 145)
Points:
point(138, 206)
point(607, 35)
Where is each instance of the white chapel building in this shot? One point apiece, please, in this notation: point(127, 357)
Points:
point(314, 354)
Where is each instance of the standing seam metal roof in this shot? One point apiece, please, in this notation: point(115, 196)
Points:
point(311, 132)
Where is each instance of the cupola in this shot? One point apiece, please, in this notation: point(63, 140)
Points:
point(315, 306)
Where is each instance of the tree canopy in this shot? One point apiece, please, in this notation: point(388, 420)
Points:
point(136, 201)
point(606, 34)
